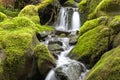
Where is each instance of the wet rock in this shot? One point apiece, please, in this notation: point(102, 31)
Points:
point(42, 35)
point(73, 40)
point(59, 32)
point(70, 71)
point(55, 47)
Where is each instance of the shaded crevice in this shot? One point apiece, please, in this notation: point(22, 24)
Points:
point(47, 15)
point(35, 74)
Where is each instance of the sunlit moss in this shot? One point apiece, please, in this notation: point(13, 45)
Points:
point(107, 68)
point(44, 3)
point(30, 12)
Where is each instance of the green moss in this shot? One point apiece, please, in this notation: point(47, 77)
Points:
point(90, 24)
point(44, 59)
point(82, 5)
point(115, 24)
point(44, 3)
point(108, 67)
point(2, 17)
point(30, 12)
point(106, 7)
point(116, 41)
point(41, 28)
point(9, 11)
point(16, 40)
point(92, 44)
point(71, 2)
point(17, 23)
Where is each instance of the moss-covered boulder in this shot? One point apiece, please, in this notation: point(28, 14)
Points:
point(44, 58)
point(30, 12)
point(86, 7)
point(106, 7)
point(91, 9)
point(17, 43)
point(108, 67)
point(2, 17)
point(95, 38)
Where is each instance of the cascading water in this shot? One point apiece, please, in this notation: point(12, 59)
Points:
point(68, 16)
point(75, 20)
point(63, 60)
point(62, 22)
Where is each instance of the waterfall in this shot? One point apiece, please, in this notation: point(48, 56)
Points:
point(63, 24)
point(75, 20)
point(68, 19)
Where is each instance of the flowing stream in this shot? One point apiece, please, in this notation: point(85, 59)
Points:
point(68, 21)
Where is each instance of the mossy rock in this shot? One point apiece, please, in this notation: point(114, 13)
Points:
point(44, 3)
point(106, 7)
point(107, 68)
point(30, 12)
point(2, 17)
point(115, 24)
point(17, 41)
point(70, 3)
point(95, 38)
point(91, 45)
point(44, 59)
point(116, 41)
point(86, 7)
point(90, 24)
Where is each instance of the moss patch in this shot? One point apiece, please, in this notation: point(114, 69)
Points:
point(44, 3)
point(106, 7)
point(30, 12)
point(91, 45)
point(44, 59)
point(10, 12)
point(2, 17)
point(108, 67)
point(18, 39)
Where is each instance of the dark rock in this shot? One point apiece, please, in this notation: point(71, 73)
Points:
point(62, 1)
point(55, 42)
point(42, 35)
point(59, 32)
point(77, 1)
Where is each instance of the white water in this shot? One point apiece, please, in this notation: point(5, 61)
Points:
point(64, 19)
point(75, 21)
point(62, 24)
